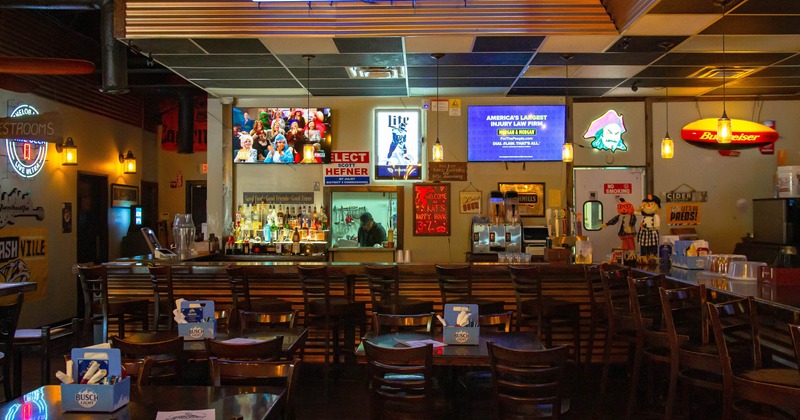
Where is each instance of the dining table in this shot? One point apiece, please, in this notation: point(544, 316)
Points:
point(456, 355)
point(228, 402)
point(7, 289)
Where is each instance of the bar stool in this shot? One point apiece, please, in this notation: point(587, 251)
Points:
point(99, 307)
point(384, 290)
point(163, 296)
point(240, 277)
point(455, 284)
point(323, 310)
point(597, 306)
point(9, 316)
point(546, 310)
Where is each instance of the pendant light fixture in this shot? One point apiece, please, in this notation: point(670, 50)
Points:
point(667, 145)
point(308, 148)
point(567, 150)
point(437, 154)
point(724, 130)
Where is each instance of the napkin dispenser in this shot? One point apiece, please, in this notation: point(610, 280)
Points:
point(463, 326)
point(200, 322)
point(96, 397)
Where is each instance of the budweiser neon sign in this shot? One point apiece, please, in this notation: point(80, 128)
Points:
point(746, 134)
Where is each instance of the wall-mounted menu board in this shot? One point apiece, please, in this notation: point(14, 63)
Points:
point(431, 209)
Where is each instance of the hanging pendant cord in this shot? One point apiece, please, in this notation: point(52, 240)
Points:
point(724, 78)
point(437, 98)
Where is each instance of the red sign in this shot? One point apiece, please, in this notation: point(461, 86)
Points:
point(431, 209)
point(746, 134)
point(618, 189)
point(349, 157)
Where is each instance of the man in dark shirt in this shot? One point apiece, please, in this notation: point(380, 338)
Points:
point(370, 233)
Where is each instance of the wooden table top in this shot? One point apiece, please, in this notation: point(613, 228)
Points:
point(197, 348)
point(457, 355)
point(780, 376)
point(14, 288)
point(228, 401)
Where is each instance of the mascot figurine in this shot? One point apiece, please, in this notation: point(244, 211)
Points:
point(627, 224)
point(648, 230)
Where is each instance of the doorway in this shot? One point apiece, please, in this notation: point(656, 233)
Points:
point(92, 224)
point(196, 197)
point(150, 205)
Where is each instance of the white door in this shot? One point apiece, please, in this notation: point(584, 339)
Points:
point(606, 185)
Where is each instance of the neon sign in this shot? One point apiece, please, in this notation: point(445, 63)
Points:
point(607, 132)
point(27, 157)
point(746, 134)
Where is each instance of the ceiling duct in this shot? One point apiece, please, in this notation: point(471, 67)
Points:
point(367, 72)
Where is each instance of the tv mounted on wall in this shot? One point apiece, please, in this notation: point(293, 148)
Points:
point(515, 133)
point(258, 132)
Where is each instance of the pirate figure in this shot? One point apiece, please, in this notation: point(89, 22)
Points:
point(648, 230)
point(627, 224)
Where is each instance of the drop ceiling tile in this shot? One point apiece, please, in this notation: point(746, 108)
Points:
point(465, 71)
point(764, 25)
point(765, 82)
point(167, 46)
point(775, 71)
point(471, 59)
point(691, 6)
point(577, 43)
point(741, 43)
point(562, 82)
point(357, 83)
point(588, 59)
point(458, 93)
point(369, 45)
point(300, 46)
point(759, 91)
point(245, 73)
point(231, 45)
point(792, 61)
point(243, 84)
point(507, 43)
point(551, 71)
point(442, 44)
point(203, 61)
point(660, 82)
point(670, 24)
point(319, 73)
point(544, 91)
point(657, 44)
point(465, 82)
point(344, 60)
point(668, 71)
point(604, 72)
point(712, 59)
point(656, 92)
point(258, 93)
point(768, 7)
point(359, 92)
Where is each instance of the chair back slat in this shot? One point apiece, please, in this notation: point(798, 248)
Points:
point(94, 282)
point(383, 323)
point(685, 313)
point(794, 330)
point(265, 350)
point(455, 281)
point(735, 327)
point(526, 382)
point(167, 355)
point(501, 321)
point(258, 372)
point(251, 319)
point(401, 380)
point(163, 293)
point(240, 288)
point(9, 318)
point(645, 301)
point(384, 283)
point(615, 290)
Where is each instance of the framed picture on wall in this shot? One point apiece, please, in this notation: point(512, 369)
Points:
point(531, 197)
point(398, 147)
point(469, 202)
point(124, 195)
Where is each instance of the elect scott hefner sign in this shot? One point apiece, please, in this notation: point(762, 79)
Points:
point(347, 168)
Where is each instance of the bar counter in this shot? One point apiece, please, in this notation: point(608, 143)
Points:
point(208, 279)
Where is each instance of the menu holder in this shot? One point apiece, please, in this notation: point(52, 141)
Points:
point(201, 322)
point(96, 397)
point(461, 335)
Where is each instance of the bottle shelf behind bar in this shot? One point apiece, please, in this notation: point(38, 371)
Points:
point(269, 229)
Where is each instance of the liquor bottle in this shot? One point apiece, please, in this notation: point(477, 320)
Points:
point(323, 218)
point(296, 242)
point(281, 215)
point(246, 246)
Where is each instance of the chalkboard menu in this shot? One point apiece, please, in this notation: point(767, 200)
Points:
point(431, 209)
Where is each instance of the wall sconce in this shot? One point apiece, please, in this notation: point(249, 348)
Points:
point(308, 153)
point(567, 152)
point(69, 152)
point(128, 162)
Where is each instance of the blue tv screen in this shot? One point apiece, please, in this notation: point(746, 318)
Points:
point(515, 133)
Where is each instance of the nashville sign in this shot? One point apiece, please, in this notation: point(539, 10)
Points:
point(746, 134)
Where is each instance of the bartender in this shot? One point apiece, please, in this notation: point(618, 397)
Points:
point(370, 233)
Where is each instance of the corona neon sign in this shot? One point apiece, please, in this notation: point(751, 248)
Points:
point(27, 157)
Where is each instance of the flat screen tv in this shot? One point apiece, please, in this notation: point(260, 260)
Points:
point(515, 133)
point(264, 135)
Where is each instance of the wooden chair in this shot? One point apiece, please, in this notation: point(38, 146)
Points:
point(239, 277)
point(99, 307)
point(258, 372)
point(384, 291)
point(250, 319)
point(693, 361)
point(167, 355)
point(268, 350)
point(42, 341)
point(528, 383)
point(794, 331)
point(597, 306)
point(501, 321)
point(328, 312)
point(545, 310)
point(455, 285)
point(9, 316)
point(401, 381)
point(163, 295)
point(382, 323)
point(651, 344)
